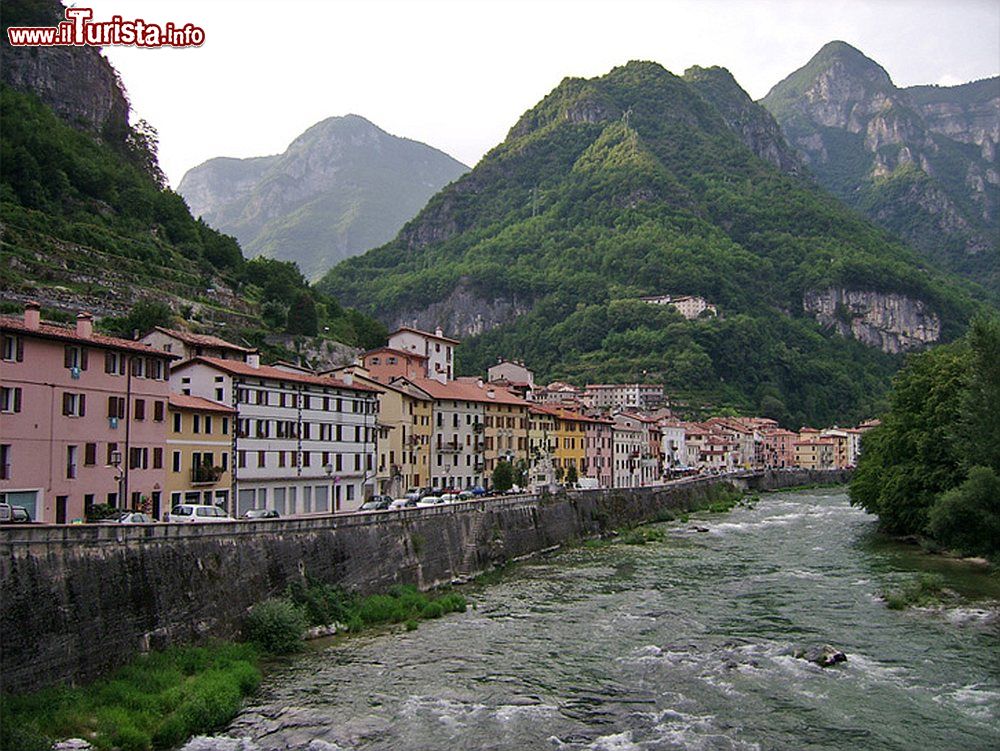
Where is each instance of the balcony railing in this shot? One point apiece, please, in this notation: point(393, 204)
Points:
point(206, 475)
point(450, 447)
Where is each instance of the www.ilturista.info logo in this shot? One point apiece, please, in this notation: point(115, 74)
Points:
point(78, 31)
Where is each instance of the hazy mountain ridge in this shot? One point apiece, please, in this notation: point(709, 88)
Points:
point(921, 161)
point(340, 188)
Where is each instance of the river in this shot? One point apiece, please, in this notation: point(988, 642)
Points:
point(678, 644)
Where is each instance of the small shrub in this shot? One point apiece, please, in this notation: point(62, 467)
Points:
point(433, 610)
point(276, 626)
point(412, 625)
point(171, 732)
point(129, 738)
point(924, 591)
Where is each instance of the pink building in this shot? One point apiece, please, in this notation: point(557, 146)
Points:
point(82, 418)
point(599, 457)
point(779, 447)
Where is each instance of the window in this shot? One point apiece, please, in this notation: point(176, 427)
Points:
point(140, 409)
point(74, 405)
point(112, 450)
point(12, 349)
point(157, 458)
point(138, 367)
point(5, 452)
point(281, 458)
point(10, 399)
point(306, 458)
point(177, 421)
point(225, 462)
point(90, 454)
point(138, 458)
point(241, 458)
point(71, 459)
point(75, 357)
point(114, 363)
point(196, 423)
point(158, 411)
point(116, 407)
point(225, 426)
point(219, 395)
point(175, 464)
point(208, 424)
point(260, 458)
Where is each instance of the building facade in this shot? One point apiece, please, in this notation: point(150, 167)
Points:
point(304, 444)
point(437, 348)
point(82, 419)
point(185, 345)
point(199, 452)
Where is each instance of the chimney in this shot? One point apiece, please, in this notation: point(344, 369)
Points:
point(438, 331)
point(84, 325)
point(479, 382)
point(32, 315)
point(253, 359)
point(348, 378)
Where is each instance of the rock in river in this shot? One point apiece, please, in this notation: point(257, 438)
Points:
point(824, 655)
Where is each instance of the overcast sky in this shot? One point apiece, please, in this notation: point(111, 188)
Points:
point(457, 74)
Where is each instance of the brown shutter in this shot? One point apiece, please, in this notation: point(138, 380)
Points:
point(67, 356)
point(90, 454)
point(121, 407)
point(158, 411)
point(83, 404)
point(140, 409)
point(83, 358)
point(109, 362)
point(17, 399)
point(65, 403)
point(121, 363)
point(112, 407)
point(20, 349)
point(157, 458)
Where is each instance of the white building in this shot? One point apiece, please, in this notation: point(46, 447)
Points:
point(629, 438)
point(458, 457)
point(437, 348)
point(186, 345)
point(628, 396)
point(304, 444)
point(689, 306)
point(672, 436)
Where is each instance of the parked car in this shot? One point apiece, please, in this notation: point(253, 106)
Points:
point(478, 490)
point(261, 513)
point(431, 500)
point(449, 497)
point(467, 495)
point(198, 513)
point(19, 515)
point(401, 503)
point(377, 503)
point(128, 517)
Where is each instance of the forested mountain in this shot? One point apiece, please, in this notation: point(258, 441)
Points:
point(919, 161)
point(340, 188)
point(640, 182)
point(86, 221)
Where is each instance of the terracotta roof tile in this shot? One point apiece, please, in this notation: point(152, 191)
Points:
point(183, 401)
point(67, 334)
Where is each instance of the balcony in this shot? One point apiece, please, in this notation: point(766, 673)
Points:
point(206, 475)
point(452, 447)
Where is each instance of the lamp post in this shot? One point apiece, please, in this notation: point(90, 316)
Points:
point(116, 462)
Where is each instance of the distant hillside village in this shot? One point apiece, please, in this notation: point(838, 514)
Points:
point(176, 417)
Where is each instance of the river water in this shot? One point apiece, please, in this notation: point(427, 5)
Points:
point(679, 644)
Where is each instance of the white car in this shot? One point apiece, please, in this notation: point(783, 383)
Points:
point(197, 513)
point(450, 497)
point(430, 500)
point(401, 503)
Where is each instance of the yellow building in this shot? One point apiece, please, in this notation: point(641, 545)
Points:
point(571, 443)
point(404, 429)
point(815, 454)
point(505, 427)
point(199, 444)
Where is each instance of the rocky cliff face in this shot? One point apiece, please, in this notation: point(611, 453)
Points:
point(340, 188)
point(76, 82)
point(754, 125)
point(891, 322)
point(902, 155)
point(464, 313)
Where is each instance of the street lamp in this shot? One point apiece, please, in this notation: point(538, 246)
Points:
point(116, 462)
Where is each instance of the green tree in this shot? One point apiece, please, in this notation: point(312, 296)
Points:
point(572, 475)
point(503, 477)
point(967, 518)
point(302, 317)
